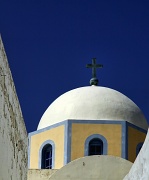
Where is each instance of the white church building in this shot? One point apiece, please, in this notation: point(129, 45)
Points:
point(90, 132)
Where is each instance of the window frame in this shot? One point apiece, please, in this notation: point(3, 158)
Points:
point(46, 143)
point(95, 136)
point(47, 160)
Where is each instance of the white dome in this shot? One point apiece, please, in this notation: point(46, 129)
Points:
point(93, 103)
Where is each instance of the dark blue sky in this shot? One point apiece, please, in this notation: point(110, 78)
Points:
point(48, 43)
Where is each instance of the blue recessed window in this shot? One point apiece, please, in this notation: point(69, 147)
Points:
point(47, 157)
point(95, 147)
point(138, 148)
point(95, 144)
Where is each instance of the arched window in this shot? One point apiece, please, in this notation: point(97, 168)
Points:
point(138, 148)
point(95, 144)
point(47, 157)
point(95, 147)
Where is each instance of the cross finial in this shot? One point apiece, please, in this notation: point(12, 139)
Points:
point(94, 66)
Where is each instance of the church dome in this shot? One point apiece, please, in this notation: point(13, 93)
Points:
point(93, 103)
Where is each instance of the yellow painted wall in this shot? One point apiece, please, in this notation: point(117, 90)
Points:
point(80, 132)
point(57, 135)
point(134, 138)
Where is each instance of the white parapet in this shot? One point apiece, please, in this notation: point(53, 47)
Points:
point(140, 168)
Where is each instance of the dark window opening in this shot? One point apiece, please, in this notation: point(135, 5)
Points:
point(138, 148)
point(47, 157)
point(95, 147)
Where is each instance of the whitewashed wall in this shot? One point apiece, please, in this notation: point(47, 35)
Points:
point(40, 174)
point(13, 135)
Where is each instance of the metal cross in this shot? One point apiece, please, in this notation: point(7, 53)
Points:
point(94, 66)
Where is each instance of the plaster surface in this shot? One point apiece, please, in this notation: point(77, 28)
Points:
point(13, 135)
point(40, 174)
point(94, 168)
point(93, 103)
point(55, 137)
point(140, 168)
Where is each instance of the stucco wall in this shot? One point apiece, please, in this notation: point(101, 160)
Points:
point(13, 135)
point(80, 132)
point(134, 138)
point(38, 174)
point(140, 168)
point(36, 140)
